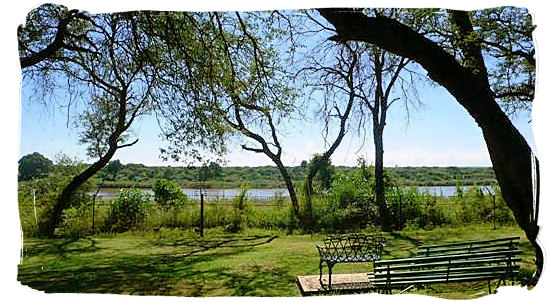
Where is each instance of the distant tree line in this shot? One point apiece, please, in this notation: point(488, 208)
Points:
point(116, 174)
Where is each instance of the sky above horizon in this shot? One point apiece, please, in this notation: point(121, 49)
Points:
point(439, 133)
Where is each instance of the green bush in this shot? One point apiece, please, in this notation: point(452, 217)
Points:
point(169, 194)
point(77, 220)
point(348, 204)
point(239, 206)
point(128, 210)
point(477, 207)
point(503, 213)
point(409, 207)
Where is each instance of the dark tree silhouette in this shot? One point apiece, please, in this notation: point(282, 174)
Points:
point(33, 166)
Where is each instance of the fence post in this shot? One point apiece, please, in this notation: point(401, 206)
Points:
point(494, 213)
point(493, 195)
point(202, 213)
point(401, 224)
point(34, 203)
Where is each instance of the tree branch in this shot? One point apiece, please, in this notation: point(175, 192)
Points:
point(127, 145)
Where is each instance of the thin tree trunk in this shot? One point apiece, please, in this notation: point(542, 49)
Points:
point(310, 174)
point(379, 188)
point(93, 203)
point(291, 192)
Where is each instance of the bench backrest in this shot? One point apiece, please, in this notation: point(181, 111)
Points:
point(446, 268)
point(351, 247)
point(510, 243)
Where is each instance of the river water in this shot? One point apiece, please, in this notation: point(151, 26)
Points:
point(210, 194)
point(270, 193)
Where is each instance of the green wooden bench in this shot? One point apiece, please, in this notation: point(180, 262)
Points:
point(348, 248)
point(497, 263)
point(469, 247)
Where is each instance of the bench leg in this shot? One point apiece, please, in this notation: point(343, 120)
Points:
point(489, 284)
point(321, 274)
point(330, 265)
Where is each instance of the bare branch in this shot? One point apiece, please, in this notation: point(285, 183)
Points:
point(127, 145)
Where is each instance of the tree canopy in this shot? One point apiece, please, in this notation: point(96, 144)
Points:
point(33, 166)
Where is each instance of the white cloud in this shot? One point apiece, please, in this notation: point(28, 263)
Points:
point(422, 157)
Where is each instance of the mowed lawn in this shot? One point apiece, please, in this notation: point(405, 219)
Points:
point(251, 263)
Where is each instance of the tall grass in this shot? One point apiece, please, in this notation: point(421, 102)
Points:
point(349, 205)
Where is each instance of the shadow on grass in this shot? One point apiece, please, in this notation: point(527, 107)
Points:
point(183, 272)
point(62, 247)
point(412, 240)
point(254, 280)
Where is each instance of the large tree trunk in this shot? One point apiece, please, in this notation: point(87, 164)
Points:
point(510, 154)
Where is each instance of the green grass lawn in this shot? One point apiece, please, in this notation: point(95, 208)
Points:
point(251, 263)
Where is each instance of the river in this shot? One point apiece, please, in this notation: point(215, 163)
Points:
point(270, 193)
point(212, 194)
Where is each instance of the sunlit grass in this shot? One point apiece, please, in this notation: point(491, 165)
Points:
point(252, 263)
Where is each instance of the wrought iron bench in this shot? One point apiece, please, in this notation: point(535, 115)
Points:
point(348, 248)
point(466, 265)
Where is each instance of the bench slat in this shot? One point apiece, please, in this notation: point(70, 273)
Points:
point(445, 272)
point(378, 267)
point(442, 273)
point(449, 257)
point(487, 261)
point(477, 277)
point(469, 242)
point(463, 249)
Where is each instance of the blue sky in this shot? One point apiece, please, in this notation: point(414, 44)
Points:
point(440, 133)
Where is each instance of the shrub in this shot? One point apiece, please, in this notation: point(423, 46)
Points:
point(239, 206)
point(356, 191)
point(169, 194)
point(410, 207)
point(128, 210)
point(77, 220)
point(503, 213)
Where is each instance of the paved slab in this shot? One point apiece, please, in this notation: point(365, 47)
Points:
point(340, 282)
